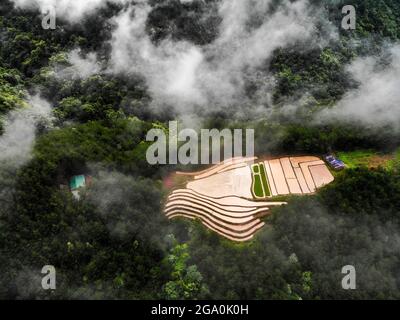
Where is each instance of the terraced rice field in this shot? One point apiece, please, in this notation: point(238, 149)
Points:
point(296, 175)
point(231, 198)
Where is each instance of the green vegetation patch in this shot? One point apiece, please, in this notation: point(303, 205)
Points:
point(264, 179)
point(394, 164)
point(365, 158)
point(11, 90)
point(260, 188)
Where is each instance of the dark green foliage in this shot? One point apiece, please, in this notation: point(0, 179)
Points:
point(374, 17)
point(115, 242)
point(97, 98)
point(25, 45)
point(115, 146)
point(11, 90)
point(323, 139)
point(324, 241)
point(94, 259)
point(195, 21)
point(354, 221)
point(291, 137)
point(186, 280)
point(321, 73)
point(258, 270)
point(361, 192)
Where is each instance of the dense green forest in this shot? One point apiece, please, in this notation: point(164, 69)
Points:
point(115, 242)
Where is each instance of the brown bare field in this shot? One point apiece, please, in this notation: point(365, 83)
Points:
point(301, 180)
point(222, 199)
point(236, 182)
point(270, 179)
point(223, 166)
point(279, 177)
point(294, 186)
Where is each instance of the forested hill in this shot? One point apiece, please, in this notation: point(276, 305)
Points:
point(81, 98)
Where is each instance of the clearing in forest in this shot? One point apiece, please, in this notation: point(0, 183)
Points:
point(230, 198)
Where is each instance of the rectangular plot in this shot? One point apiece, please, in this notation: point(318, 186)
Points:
point(321, 175)
point(234, 182)
point(279, 177)
point(287, 168)
point(264, 180)
point(296, 161)
point(307, 176)
point(301, 180)
point(270, 179)
point(294, 186)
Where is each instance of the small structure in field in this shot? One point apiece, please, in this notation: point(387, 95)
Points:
point(77, 183)
point(334, 162)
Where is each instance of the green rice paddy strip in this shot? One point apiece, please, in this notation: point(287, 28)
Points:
point(255, 168)
point(264, 180)
point(258, 188)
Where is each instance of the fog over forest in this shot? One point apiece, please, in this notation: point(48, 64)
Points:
point(80, 99)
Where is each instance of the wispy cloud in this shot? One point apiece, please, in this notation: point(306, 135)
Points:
point(376, 101)
point(80, 66)
point(19, 135)
point(213, 76)
point(200, 79)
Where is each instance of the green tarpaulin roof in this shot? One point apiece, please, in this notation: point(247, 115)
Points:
point(77, 182)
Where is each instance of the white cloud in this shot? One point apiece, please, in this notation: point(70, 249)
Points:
point(376, 101)
point(17, 141)
point(213, 76)
point(85, 66)
point(184, 75)
point(79, 66)
point(170, 68)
